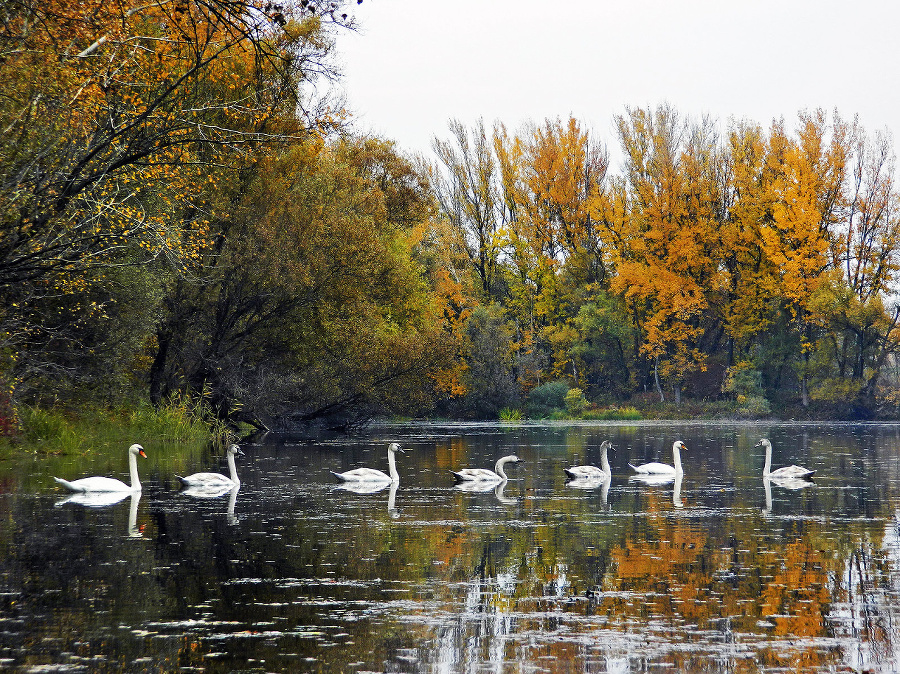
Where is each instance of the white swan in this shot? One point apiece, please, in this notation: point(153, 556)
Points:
point(90, 484)
point(215, 481)
point(655, 468)
point(592, 472)
point(370, 474)
point(485, 475)
point(784, 472)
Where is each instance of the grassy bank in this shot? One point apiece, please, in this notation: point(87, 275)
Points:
point(177, 438)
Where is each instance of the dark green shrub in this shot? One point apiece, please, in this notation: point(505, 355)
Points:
point(546, 399)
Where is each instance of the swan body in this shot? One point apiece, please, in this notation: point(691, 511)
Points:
point(655, 468)
point(214, 481)
point(592, 472)
point(108, 484)
point(485, 475)
point(372, 475)
point(784, 472)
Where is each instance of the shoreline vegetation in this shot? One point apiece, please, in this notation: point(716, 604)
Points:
point(230, 256)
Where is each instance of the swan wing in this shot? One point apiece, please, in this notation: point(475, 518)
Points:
point(94, 484)
point(205, 480)
point(582, 472)
point(654, 468)
point(792, 471)
point(476, 474)
point(363, 475)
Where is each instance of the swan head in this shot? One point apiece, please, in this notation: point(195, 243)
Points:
point(679, 445)
point(137, 450)
point(606, 444)
point(234, 449)
point(763, 443)
point(395, 447)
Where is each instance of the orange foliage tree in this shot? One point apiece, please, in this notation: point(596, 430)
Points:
point(117, 120)
point(771, 251)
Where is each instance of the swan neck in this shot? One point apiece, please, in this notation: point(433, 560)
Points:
point(768, 467)
point(392, 467)
point(498, 468)
point(677, 457)
point(132, 468)
point(604, 462)
point(232, 468)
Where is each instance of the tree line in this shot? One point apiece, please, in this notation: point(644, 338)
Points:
point(184, 213)
point(758, 264)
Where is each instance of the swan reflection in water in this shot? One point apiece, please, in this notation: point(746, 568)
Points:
point(134, 531)
point(588, 483)
point(97, 499)
point(484, 486)
point(661, 479)
point(374, 488)
point(215, 491)
point(100, 499)
point(791, 483)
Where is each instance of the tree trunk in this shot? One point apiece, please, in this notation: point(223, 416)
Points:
point(158, 368)
point(662, 397)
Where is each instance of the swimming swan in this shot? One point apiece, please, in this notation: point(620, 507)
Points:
point(592, 472)
point(215, 481)
point(786, 471)
point(372, 475)
point(87, 484)
point(485, 475)
point(655, 468)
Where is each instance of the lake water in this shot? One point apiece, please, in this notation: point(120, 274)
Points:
point(293, 574)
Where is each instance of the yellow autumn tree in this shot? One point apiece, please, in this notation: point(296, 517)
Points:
point(668, 245)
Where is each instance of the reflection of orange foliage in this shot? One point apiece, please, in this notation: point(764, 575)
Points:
point(798, 592)
point(675, 574)
point(673, 567)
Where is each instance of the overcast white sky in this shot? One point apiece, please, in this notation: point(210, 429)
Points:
point(415, 64)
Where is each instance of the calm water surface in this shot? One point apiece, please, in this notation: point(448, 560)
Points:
point(721, 572)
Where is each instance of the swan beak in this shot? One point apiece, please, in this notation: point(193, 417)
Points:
point(141, 452)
